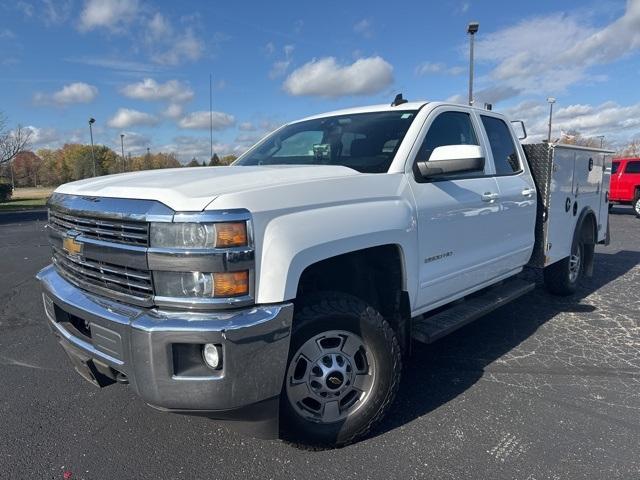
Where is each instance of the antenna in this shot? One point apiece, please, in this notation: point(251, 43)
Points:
point(398, 100)
point(210, 116)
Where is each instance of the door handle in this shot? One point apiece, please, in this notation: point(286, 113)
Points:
point(489, 197)
point(527, 192)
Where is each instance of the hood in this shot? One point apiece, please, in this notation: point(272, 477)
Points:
point(192, 189)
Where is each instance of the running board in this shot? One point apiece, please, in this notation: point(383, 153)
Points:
point(428, 329)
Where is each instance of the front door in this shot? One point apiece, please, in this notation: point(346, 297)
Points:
point(458, 217)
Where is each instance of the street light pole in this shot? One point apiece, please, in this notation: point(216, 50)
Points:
point(601, 137)
point(551, 101)
point(472, 29)
point(93, 155)
point(122, 145)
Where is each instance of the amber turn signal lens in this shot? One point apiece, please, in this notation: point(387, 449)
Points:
point(231, 284)
point(231, 234)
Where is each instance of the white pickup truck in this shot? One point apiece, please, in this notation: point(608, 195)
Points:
point(282, 293)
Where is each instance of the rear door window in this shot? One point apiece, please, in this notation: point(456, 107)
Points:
point(633, 167)
point(505, 155)
point(614, 167)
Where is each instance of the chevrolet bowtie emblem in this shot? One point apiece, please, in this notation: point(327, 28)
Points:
point(71, 246)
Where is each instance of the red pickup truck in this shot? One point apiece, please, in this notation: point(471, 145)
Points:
point(625, 182)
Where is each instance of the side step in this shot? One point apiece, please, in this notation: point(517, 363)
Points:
point(429, 328)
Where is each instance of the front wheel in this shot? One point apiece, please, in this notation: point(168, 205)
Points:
point(343, 372)
point(636, 206)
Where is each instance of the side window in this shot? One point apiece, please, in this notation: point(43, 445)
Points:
point(632, 167)
point(505, 155)
point(449, 128)
point(614, 167)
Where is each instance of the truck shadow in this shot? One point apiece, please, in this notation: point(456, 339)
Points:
point(622, 210)
point(438, 373)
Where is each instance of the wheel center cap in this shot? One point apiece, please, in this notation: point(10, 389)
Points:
point(335, 380)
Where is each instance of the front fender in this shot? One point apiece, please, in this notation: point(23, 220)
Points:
point(296, 240)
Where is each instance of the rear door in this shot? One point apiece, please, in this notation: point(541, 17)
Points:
point(517, 194)
point(630, 179)
point(459, 225)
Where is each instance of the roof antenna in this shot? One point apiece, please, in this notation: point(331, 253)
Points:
point(398, 100)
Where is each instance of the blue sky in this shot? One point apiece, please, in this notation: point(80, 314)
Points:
point(142, 67)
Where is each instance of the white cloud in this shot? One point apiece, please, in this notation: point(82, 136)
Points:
point(109, 14)
point(200, 120)
point(126, 117)
point(529, 61)
point(173, 110)
point(269, 48)
point(364, 28)
point(134, 143)
point(326, 78)
point(617, 122)
point(181, 48)
point(428, 68)
point(159, 27)
point(148, 89)
point(5, 33)
point(119, 65)
point(280, 67)
point(78, 92)
point(246, 127)
point(43, 137)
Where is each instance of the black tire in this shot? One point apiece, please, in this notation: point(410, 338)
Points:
point(636, 206)
point(332, 312)
point(558, 277)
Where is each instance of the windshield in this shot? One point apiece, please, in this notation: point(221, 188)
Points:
point(366, 142)
point(614, 167)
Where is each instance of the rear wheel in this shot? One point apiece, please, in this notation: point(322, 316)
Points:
point(636, 206)
point(343, 372)
point(563, 277)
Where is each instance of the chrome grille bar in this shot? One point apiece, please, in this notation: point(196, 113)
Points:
point(132, 233)
point(87, 273)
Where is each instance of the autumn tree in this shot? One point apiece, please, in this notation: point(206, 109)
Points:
point(228, 159)
point(193, 163)
point(26, 167)
point(215, 160)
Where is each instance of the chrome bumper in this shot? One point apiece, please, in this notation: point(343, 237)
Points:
point(156, 349)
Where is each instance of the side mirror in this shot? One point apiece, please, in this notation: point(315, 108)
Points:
point(451, 159)
point(523, 134)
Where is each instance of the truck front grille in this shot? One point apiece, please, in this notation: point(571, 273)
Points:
point(105, 278)
point(130, 233)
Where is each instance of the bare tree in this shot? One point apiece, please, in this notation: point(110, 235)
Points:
point(633, 149)
point(573, 137)
point(13, 141)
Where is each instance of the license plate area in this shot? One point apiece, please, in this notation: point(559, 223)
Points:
point(92, 370)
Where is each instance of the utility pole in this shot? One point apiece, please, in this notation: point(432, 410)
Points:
point(122, 145)
point(551, 101)
point(211, 116)
point(93, 155)
point(472, 29)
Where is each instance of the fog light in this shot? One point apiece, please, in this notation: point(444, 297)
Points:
point(211, 354)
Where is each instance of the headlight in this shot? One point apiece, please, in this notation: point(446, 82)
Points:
point(201, 285)
point(199, 235)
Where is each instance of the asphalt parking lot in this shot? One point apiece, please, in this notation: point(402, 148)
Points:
point(543, 388)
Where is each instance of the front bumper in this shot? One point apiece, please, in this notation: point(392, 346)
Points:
point(157, 351)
